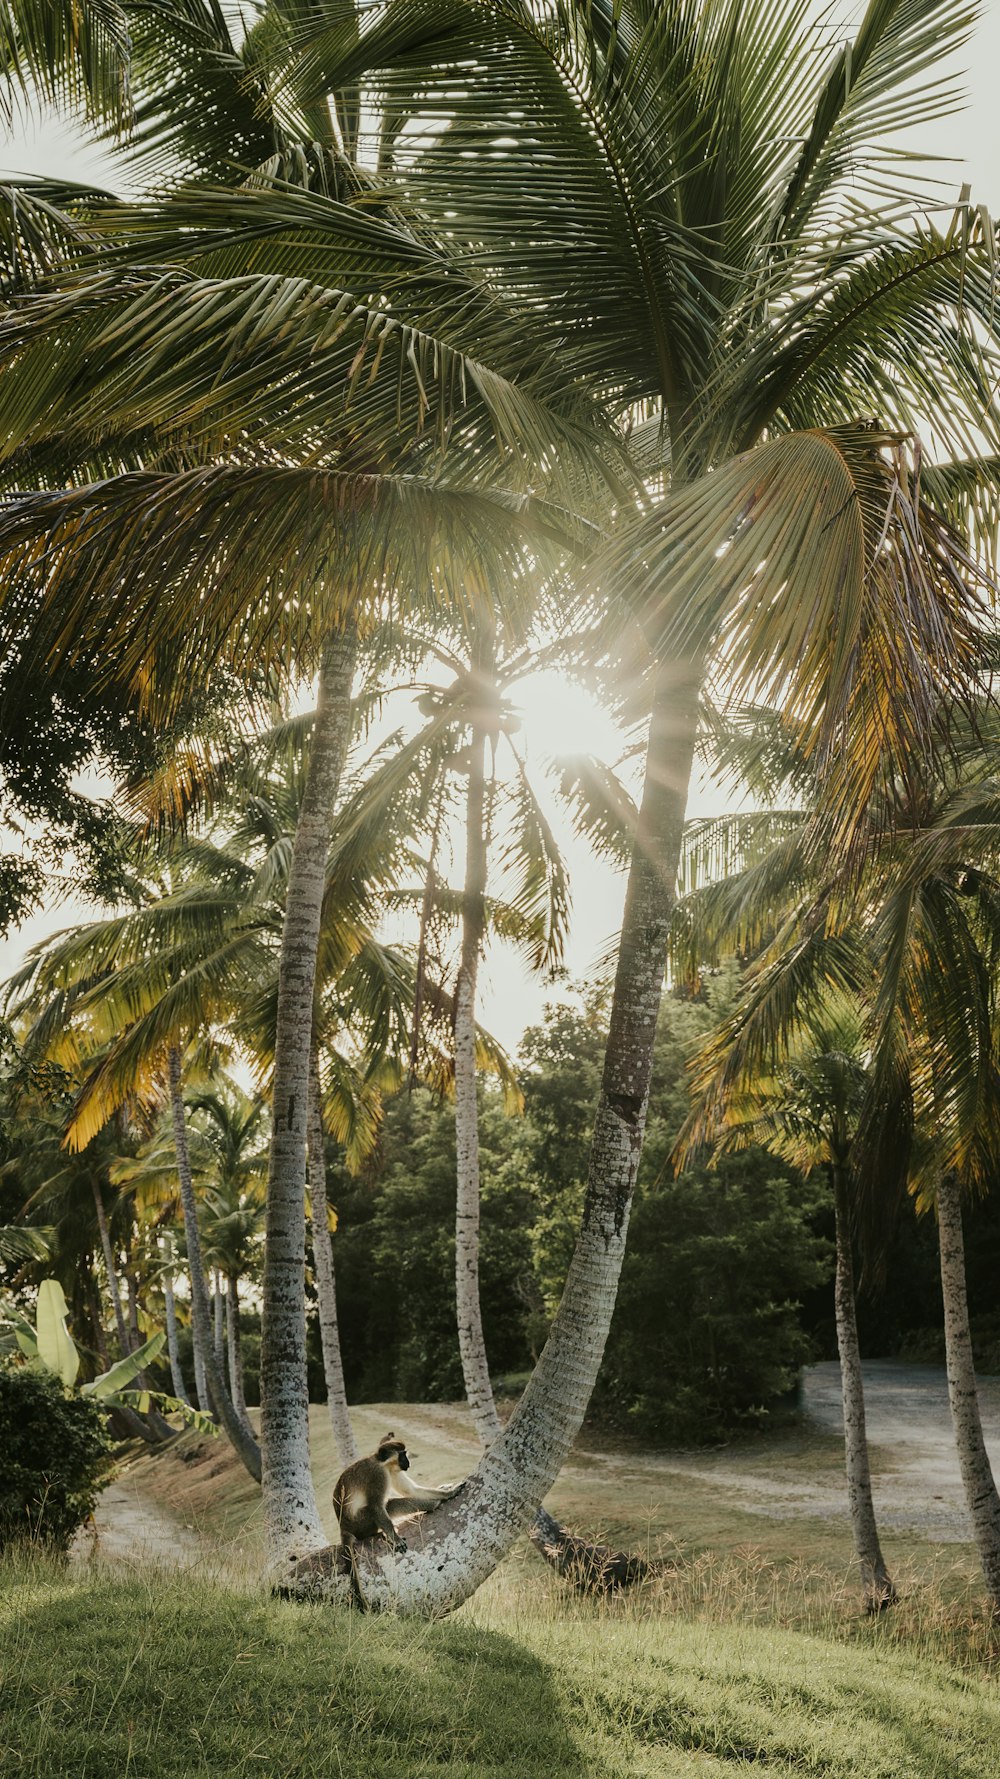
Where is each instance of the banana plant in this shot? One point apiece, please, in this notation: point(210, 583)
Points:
point(49, 1343)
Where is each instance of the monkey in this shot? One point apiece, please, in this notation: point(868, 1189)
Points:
point(372, 1491)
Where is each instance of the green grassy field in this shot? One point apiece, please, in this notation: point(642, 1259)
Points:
point(749, 1653)
point(731, 1564)
point(164, 1677)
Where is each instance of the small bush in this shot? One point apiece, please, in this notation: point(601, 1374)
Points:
point(53, 1456)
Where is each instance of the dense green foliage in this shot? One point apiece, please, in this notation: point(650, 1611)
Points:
point(394, 1254)
point(708, 1332)
point(114, 1675)
point(53, 1456)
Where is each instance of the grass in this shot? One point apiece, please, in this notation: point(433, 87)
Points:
point(119, 1676)
point(731, 1564)
point(747, 1653)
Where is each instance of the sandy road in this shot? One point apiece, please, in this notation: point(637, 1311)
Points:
point(916, 1479)
point(908, 1418)
point(131, 1527)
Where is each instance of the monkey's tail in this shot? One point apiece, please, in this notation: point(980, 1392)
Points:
point(347, 1564)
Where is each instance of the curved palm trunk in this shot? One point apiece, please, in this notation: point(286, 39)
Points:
point(291, 1517)
point(472, 1346)
point(173, 1350)
point(464, 1540)
point(243, 1442)
point(234, 1347)
point(326, 1288)
point(876, 1582)
point(109, 1267)
point(981, 1496)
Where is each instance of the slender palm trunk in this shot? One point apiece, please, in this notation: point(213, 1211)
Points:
point(292, 1523)
point(155, 1424)
point(243, 1442)
point(234, 1346)
point(109, 1267)
point(876, 1582)
point(326, 1289)
point(463, 1541)
point(981, 1496)
point(135, 1336)
point(426, 912)
point(173, 1348)
point(204, 1400)
point(96, 1315)
point(472, 1345)
point(218, 1320)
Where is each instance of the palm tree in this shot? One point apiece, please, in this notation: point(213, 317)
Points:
point(232, 1126)
point(224, 1128)
point(914, 941)
point(470, 715)
point(73, 52)
point(806, 1110)
point(681, 280)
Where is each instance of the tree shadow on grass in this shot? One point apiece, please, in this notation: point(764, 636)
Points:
point(179, 1678)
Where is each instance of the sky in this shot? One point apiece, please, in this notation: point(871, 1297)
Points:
point(559, 717)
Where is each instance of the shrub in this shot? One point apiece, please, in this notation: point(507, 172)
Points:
point(53, 1458)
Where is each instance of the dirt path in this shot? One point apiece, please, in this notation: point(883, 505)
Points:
point(909, 1419)
point(130, 1527)
point(916, 1480)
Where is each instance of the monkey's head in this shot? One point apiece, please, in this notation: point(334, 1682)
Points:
point(393, 1453)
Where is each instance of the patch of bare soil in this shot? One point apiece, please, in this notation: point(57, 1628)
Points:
point(916, 1480)
point(195, 1496)
point(129, 1526)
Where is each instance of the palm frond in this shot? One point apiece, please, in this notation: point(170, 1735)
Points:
point(814, 574)
point(72, 52)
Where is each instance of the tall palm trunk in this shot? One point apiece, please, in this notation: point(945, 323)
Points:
point(221, 1401)
point(292, 1523)
point(981, 1496)
point(96, 1315)
point(173, 1348)
point(326, 1289)
point(218, 1319)
point(204, 1400)
point(234, 1346)
point(135, 1336)
point(877, 1587)
point(109, 1267)
point(472, 1346)
point(426, 912)
point(464, 1540)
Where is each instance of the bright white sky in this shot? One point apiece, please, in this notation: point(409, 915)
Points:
point(559, 717)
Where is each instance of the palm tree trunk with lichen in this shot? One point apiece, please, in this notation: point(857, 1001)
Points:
point(218, 1320)
point(471, 1341)
point(173, 1348)
point(326, 1285)
point(243, 1441)
point(877, 1587)
point(110, 1268)
point(456, 1548)
point(981, 1497)
point(291, 1517)
point(234, 1347)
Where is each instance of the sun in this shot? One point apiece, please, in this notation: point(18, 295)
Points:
point(562, 717)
